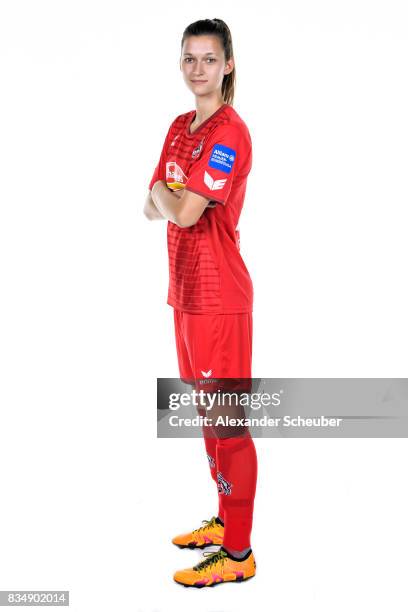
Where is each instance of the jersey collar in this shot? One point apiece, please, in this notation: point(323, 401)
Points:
point(191, 117)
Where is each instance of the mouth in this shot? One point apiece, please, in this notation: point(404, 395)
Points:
point(196, 81)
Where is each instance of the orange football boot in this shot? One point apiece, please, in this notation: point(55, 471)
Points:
point(216, 568)
point(211, 534)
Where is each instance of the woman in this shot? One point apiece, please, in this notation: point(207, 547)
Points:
point(199, 187)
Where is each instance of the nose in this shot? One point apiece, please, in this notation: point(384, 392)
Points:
point(198, 69)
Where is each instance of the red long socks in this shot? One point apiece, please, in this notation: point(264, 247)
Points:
point(233, 465)
point(211, 449)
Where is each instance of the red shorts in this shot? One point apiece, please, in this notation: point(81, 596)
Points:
point(212, 347)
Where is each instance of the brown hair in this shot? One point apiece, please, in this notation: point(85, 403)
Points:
point(216, 27)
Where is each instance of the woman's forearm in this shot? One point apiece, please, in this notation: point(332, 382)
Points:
point(167, 203)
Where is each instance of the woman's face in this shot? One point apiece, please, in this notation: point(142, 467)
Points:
point(203, 64)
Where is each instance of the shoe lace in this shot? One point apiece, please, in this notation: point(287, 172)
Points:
point(212, 559)
point(208, 524)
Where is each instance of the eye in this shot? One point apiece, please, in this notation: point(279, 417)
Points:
point(211, 59)
point(187, 59)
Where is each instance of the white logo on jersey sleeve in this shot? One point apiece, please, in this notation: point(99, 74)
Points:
point(211, 183)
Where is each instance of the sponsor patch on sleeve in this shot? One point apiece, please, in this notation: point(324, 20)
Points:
point(222, 158)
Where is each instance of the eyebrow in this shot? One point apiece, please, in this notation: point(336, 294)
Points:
point(208, 53)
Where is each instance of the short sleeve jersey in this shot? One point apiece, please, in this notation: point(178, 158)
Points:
point(207, 274)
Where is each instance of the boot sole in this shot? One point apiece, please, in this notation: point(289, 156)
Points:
point(202, 586)
point(192, 546)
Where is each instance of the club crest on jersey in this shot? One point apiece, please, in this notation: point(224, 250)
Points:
point(222, 158)
point(197, 150)
point(211, 183)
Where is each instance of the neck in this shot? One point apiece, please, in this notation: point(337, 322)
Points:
point(205, 107)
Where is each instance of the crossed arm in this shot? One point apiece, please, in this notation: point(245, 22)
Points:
point(183, 207)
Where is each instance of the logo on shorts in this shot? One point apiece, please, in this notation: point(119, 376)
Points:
point(207, 380)
point(211, 183)
point(224, 487)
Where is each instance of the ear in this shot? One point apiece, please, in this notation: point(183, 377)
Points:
point(229, 66)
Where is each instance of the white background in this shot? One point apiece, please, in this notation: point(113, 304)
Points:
point(89, 497)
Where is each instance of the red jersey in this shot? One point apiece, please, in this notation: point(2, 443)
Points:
point(206, 271)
